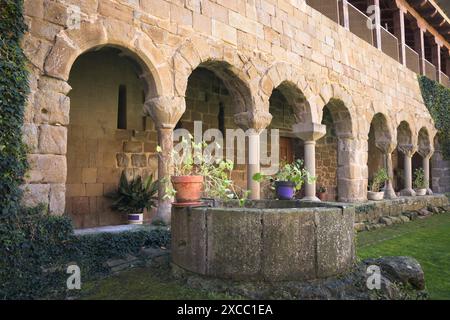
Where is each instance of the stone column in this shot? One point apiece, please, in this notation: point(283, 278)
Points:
point(310, 133)
point(254, 122)
point(420, 47)
point(387, 148)
point(165, 112)
point(345, 18)
point(408, 151)
point(426, 155)
point(377, 30)
point(436, 57)
point(399, 32)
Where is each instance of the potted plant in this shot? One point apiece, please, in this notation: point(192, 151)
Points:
point(420, 183)
point(289, 179)
point(132, 197)
point(197, 174)
point(375, 192)
point(321, 192)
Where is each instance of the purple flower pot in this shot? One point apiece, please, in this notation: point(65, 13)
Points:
point(285, 190)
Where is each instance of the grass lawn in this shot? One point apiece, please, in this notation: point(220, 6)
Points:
point(427, 240)
point(143, 284)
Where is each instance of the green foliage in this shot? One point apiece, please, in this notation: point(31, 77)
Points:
point(37, 248)
point(197, 159)
point(419, 179)
point(380, 177)
point(134, 196)
point(13, 92)
point(437, 100)
point(293, 172)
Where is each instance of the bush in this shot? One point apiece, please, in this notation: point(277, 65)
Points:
point(37, 248)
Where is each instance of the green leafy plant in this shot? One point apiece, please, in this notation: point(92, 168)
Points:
point(419, 179)
point(322, 189)
point(437, 99)
point(292, 172)
point(380, 177)
point(217, 173)
point(134, 196)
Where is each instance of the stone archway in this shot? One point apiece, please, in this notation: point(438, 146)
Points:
point(334, 154)
point(380, 147)
point(107, 134)
point(424, 152)
point(402, 160)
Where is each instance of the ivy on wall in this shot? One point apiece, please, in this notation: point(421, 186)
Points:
point(35, 247)
point(437, 100)
point(13, 93)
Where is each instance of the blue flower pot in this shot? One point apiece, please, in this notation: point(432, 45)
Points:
point(285, 190)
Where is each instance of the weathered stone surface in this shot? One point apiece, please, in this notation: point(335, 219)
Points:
point(405, 270)
point(233, 239)
point(189, 242)
point(52, 140)
point(57, 199)
point(47, 169)
point(35, 194)
point(284, 233)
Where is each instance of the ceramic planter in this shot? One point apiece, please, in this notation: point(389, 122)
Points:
point(375, 196)
point(188, 188)
point(421, 192)
point(285, 190)
point(135, 218)
point(321, 195)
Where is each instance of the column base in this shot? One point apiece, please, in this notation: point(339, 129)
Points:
point(163, 213)
point(311, 198)
point(407, 193)
point(389, 194)
point(429, 192)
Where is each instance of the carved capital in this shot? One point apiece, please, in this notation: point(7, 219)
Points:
point(426, 152)
point(257, 120)
point(407, 149)
point(386, 146)
point(309, 131)
point(165, 111)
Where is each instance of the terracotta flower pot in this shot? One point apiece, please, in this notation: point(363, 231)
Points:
point(321, 195)
point(188, 188)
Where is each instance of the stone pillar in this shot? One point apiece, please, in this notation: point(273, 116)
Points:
point(165, 170)
point(426, 155)
point(436, 57)
point(420, 47)
point(310, 133)
point(254, 165)
point(254, 122)
point(165, 112)
point(399, 32)
point(408, 151)
point(387, 148)
point(345, 18)
point(377, 30)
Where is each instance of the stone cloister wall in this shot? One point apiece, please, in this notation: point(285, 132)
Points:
point(256, 45)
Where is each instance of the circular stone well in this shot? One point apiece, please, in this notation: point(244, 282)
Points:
point(267, 240)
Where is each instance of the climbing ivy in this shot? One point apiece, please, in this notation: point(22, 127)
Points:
point(437, 100)
point(13, 93)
